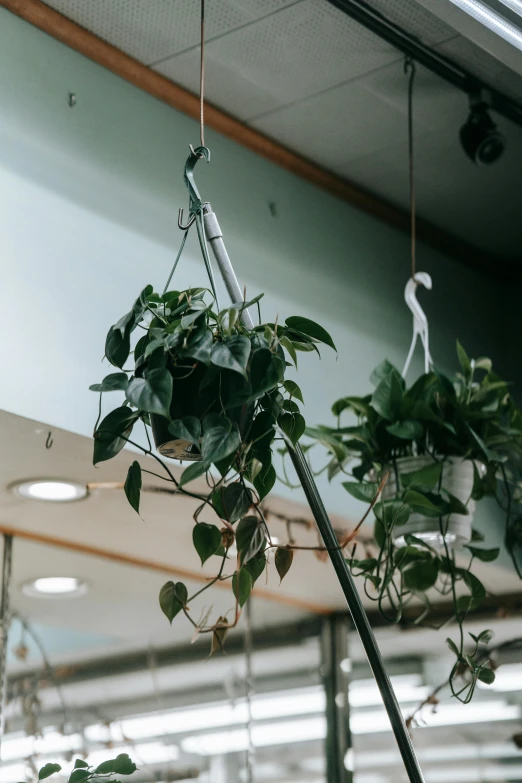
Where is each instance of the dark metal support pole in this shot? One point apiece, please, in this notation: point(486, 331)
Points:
point(358, 613)
point(215, 238)
point(334, 650)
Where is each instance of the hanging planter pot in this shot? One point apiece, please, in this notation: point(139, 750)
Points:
point(456, 479)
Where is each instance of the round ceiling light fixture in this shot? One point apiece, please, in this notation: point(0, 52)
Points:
point(480, 139)
point(50, 490)
point(55, 587)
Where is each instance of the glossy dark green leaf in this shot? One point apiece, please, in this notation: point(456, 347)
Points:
point(256, 565)
point(406, 430)
point(289, 346)
point(111, 435)
point(80, 764)
point(310, 329)
point(359, 405)
point(387, 397)
point(153, 393)
point(423, 480)
point(421, 574)
point(187, 428)
point(293, 389)
point(189, 320)
point(172, 598)
point(133, 486)
point(242, 586)
point(283, 560)
point(383, 370)
point(486, 676)
point(424, 503)
point(266, 371)
point(250, 538)
point(236, 499)
point(485, 555)
point(199, 349)
point(121, 765)
point(463, 359)
point(193, 471)
point(47, 770)
point(264, 481)
point(79, 775)
point(475, 586)
point(364, 492)
point(206, 539)
point(453, 647)
point(220, 439)
point(116, 381)
point(117, 346)
point(293, 425)
point(232, 354)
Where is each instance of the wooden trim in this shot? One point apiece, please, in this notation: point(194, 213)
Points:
point(81, 40)
point(153, 565)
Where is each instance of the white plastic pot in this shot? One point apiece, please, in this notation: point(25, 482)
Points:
point(457, 478)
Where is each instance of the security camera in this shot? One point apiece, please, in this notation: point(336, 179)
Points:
point(480, 139)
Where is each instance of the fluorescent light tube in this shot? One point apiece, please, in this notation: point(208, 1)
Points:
point(514, 5)
point(492, 20)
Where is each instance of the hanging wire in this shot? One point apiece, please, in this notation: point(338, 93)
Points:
point(202, 78)
point(180, 251)
point(409, 66)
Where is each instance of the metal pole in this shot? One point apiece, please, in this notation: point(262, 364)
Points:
point(360, 620)
point(334, 654)
point(4, 624)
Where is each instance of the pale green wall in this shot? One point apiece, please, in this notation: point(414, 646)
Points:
point(89, 200)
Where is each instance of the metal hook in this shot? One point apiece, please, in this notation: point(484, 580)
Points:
point(180, 220)
point(420, 321)
point(49, 442)
point(188, 176)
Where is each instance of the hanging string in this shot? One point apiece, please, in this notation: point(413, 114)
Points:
point(202, 78)
point(409, 65)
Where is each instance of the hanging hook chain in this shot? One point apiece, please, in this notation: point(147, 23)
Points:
point(409, 66)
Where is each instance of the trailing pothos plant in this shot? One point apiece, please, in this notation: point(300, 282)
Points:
point(470, 416)
point(213, 392)
point(82, 772)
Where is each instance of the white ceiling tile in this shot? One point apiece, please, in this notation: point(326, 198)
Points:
point(225, 86)
point(153, 29)
point(348, 121)
point(415, 19)
point(304, 49)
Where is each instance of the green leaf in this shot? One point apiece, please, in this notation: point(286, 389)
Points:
point(117, 346)
point(153, 393)
point(172, 598)
point(188, 320)
point(154, 345)
point(220, 438)
point(310, 329)
point(266, 371)
point(111, 435)
point(364, 492)
point(475, 586)
point(288, 344)
point(387, 397)
point(383, 370)
point(264, 481)
point(242, 585)
point(463, 359)
point(423, 480)
point(200, 349)
point(116, 381)
point(219, 635)
point(250, 538)
point(293, 425)
point(235, 499)
point(193, 471)
point(133, 486)
point(232, 354)
point(121, 765)
point(206, 539)
point(80, 764)
point(421, 575)
point(359, 405)
point(283, 560)
point(429, 506)
point(293, 389)
point(480, 443)
point(406, 430)
point(187, 428)
point(47, 770)
point(79, 775)
point(255, 566)
point(486, 676)
point(453, 647)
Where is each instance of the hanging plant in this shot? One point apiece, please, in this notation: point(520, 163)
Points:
point(82, 772)
point(439, 446)
point(213, 392)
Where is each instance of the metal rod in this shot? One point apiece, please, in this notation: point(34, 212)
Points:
point(4, 624)
point(358, 613)
point(360, 620)
point(334, 657)
point(215, 240)
point(378, 23)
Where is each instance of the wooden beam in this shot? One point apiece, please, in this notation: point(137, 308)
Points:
point(105, 54)
point(164, 568)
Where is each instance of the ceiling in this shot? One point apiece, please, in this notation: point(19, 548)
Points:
point(307, 75)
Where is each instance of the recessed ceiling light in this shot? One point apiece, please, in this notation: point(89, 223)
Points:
point(52, 490)
point(55, 587)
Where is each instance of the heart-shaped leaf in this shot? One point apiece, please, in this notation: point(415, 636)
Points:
point(206, 539)
point(232, 354)
point(116, 381)
point(153, 393)
point(283, 560)
point(133, 486)
point(250, 538)
point(111, 435)
point(242, 585)
point(172, 598)
point(310, 329)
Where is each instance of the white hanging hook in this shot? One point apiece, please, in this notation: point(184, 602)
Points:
point(420, 322)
